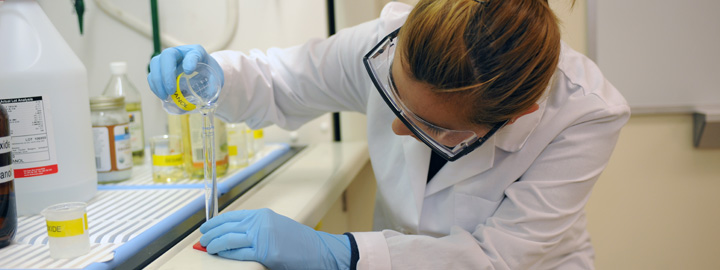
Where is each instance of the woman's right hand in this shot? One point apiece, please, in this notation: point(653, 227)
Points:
point(164, 67)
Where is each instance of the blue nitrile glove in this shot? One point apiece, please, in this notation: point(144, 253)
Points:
point(274, 240)
point(163, 67)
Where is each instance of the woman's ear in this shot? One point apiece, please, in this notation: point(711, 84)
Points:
point(532, 109)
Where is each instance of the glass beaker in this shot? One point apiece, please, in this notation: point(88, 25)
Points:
point(67, 229)
point(195, 90)
point(167, 158)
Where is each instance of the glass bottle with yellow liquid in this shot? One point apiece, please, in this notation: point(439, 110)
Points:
point(120, 85)
point(237, 145)
point(189, 128)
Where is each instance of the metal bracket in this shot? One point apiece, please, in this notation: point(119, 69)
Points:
point(706, 128)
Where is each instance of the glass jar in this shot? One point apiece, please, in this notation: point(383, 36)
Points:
point(111, 135)
point(237, 145)
point(120, 85)
point(189, 128)
point(8, 210)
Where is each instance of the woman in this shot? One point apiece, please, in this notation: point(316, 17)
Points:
point(507, 131)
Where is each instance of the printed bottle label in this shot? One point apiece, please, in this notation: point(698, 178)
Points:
point(167, 160)
point(5, 146)
point(103, 161)
point(6, 171)
point(6, 174)
point(196, 142)
point(258, 134)
point(123, 148)
point(67, 228)
point(179, 98)
point(112, 148)
point(232, 150)
point(136, 132)
point(31, 130)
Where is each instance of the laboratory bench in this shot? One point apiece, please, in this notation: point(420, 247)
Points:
point(137, 224)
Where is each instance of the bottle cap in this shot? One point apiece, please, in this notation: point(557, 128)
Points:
point(118, 68)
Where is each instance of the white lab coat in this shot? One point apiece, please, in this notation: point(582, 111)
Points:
point(514, 203)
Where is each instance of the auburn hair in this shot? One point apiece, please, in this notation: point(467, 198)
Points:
point(498, 54)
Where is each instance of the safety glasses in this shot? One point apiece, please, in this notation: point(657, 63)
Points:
point(448, 143)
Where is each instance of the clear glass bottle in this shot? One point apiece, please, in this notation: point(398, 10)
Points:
point(120, 85)
point(8, 210)
point(259, 140)
point(111, 135)
point(250, 142)
point(237, 145)
point(189, 127)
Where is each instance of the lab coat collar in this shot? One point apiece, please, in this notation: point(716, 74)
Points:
point(510, 138)
point(472, 164)
point(417, 156)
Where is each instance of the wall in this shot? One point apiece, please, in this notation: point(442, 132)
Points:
point(655, 206)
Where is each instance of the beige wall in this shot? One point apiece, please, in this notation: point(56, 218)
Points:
point(655, 206)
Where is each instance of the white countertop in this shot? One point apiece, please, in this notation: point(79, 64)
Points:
point(303, 189)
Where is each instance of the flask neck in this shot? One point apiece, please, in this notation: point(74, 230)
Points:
point(120, 85)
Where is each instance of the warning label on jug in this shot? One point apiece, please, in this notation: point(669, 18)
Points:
point(33, 149)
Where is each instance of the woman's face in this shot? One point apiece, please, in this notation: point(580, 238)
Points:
point(430, 106)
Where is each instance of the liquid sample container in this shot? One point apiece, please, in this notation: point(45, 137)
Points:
point(111, 136)
point(200, 88)
point(167, 158)
point(237, 145)
point(120, 85)
point(189, 128)
point(44, 88)
point(8, 211)
point(67, 228)
point(258, 140)
point(250, 142)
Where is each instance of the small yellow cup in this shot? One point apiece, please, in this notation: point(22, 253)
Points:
point(67, 229)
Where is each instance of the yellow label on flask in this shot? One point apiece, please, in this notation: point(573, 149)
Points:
point(232, 150)
point(167, 160)
point(67, 228)
point(179, 99)
point(258, 134)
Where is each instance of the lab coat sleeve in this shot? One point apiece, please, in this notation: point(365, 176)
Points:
point(292, 86)
point(540, 223)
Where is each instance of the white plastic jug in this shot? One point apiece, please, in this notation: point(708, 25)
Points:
point(44, 86)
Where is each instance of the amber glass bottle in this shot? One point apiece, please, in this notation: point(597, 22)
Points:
point(8, 212)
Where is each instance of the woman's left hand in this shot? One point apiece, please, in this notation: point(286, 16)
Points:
point(274, 240)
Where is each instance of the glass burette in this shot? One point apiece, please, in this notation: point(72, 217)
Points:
point(209, 166)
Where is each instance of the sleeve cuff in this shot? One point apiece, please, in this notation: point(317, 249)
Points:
point(354, 254)
point(373, 252)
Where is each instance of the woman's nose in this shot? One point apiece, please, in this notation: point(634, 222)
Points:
point(400, 128)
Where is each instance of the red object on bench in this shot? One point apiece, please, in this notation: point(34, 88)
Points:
point(199, 247)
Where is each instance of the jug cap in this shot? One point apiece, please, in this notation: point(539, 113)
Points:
point(118, 68)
